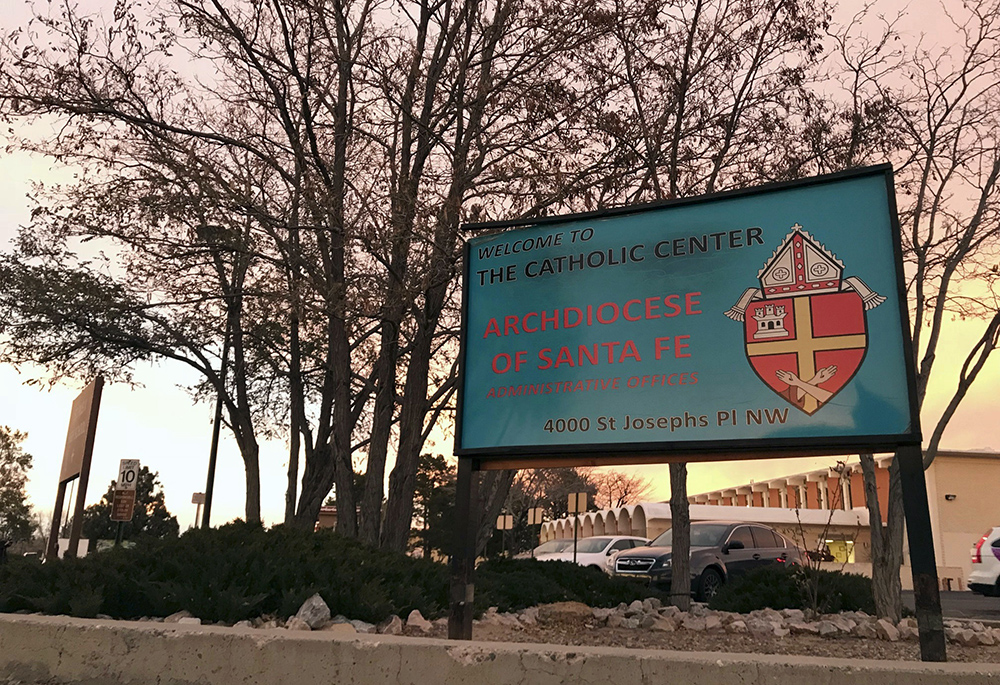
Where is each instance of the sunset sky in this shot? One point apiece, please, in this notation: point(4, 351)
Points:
point(159, 425)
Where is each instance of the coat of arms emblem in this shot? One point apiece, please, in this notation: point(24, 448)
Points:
point(805, 329)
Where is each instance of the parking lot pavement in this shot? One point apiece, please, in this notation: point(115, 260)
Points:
point(963, 605)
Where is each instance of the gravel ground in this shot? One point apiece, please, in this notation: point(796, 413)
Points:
point(576, 633)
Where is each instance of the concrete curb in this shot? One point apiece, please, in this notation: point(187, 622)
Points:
point(56, 649)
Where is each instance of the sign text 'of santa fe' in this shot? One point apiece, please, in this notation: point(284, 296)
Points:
point(614, 331)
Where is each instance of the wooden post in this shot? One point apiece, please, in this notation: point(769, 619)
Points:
point(463, 559)
point(88, 455)
point(52, 550)
point(926, 595)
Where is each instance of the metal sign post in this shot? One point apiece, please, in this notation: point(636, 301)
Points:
point(123, 504)
point(577, 504)
point(505, 522)
point(198, 499)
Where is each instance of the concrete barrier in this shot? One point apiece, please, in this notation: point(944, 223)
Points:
point(52, 649)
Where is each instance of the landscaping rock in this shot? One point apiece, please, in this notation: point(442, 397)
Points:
point(759, 626)
point(296, 623)
point(647, 621)
point(566, 611)
point(189, 621)
point(694, 623)
point(635, 608)
point(866, 630)
point(699, 609)
point(243, 624)
point(602, 614)
point(616, 620)
point(529, 616)
point(176, 618)
point(416, 620)
point(799, 627)
point(670, 611)
point(314, 612)
point(663, 624)
point(737, 627)
point(362, 626)
point(390, 626)
point(886, 630)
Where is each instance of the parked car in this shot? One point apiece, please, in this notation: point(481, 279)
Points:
point(549, 547)
point(720, 550)
point(985, 576)
point(594, 551)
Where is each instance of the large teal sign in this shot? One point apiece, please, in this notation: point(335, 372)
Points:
point(765, 319)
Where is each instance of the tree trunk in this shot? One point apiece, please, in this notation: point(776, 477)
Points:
point(887, 541)
point(317, 480)
point(494, 486)
point(385, 399)
point(680, 522)
point(403, 479)
point(251, 462)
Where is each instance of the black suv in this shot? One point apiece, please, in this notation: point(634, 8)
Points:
point(719, 550)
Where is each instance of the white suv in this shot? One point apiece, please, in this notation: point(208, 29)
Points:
point(986, 564)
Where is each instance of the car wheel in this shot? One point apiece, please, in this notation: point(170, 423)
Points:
point(709, 584)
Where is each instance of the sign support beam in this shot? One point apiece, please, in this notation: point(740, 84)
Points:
point(463, 560)
point(926, 595)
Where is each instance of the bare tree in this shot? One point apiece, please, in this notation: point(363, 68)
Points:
point(944, 106)
point(617, 488)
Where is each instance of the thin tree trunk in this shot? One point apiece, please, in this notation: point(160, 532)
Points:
point(887, 541)
point(680, 522)
point(494, 487)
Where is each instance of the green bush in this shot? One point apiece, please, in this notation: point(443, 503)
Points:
point(513, 584)
point(780, 587)
point(228, 574)
point(241, 571)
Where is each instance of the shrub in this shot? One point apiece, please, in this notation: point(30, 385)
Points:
point(513, 584)
point(235, 572)
point(241, 571)
point(781, 587)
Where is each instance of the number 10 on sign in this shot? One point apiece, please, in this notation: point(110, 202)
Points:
point(128, 474)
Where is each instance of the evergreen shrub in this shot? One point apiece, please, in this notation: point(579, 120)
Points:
point(241, 571)
point(514, 584)
point(797, 587)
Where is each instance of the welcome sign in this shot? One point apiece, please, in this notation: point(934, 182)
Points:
point(768, 319)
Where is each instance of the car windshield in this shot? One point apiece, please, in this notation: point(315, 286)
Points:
point(553, 546)
point(702, 535)
point(592, 545)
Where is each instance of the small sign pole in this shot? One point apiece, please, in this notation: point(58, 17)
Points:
point(577, 503)
point(123, 504)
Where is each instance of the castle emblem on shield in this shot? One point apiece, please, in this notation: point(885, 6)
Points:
point(805, 329)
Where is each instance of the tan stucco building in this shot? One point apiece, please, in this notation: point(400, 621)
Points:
point(825, 509)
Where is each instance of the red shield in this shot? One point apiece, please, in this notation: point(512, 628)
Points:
point(806, 348)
